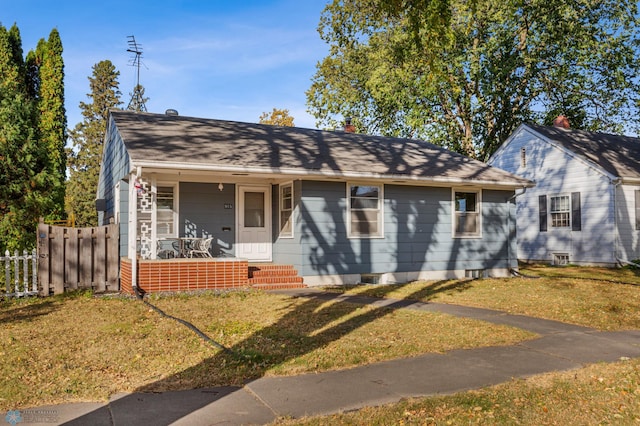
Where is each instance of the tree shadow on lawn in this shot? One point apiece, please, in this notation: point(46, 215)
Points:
point(310, 325)
point(425, 293)
point(19, 312)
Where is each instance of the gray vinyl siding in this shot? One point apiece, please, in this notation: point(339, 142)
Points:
point(202, 213)
point(114, 167)
point(124, 218)
point(628, 235)
point(558, 172)
point(417, 233)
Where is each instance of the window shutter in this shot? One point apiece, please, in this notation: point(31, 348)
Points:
point(542, 201)
point(576, 216)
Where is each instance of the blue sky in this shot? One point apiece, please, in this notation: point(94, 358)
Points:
point(222, 59)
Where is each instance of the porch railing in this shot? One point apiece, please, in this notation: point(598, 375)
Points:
point(20, 274)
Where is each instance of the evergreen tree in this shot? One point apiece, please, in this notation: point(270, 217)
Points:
point(23, 163)
point(87, 137)
point(10, 69)
point(24, 173)
point(32, 74)
point(32, 137)
point(52, 121)
point(15, 44)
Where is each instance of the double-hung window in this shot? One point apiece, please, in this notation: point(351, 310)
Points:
point(560, 211)
point(466, 221)
point(165, 212)
point(286, 210)
point(365, 210)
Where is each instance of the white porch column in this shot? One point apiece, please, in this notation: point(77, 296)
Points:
point(133, 228)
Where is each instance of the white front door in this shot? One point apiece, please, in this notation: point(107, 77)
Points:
point(254, 223)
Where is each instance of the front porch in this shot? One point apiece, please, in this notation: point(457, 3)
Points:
point(206, 274)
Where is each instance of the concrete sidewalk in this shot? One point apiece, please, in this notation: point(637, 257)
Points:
point(559, 347)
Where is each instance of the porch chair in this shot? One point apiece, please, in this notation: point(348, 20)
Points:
point(163, 252)
point(201, 248)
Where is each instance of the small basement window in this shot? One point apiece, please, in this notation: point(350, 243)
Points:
point(370, 278)
point(474, 273)
point(560, 259)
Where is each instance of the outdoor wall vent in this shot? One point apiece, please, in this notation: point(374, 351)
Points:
point(171, 111)
point(101, 205)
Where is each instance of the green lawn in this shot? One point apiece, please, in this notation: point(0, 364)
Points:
point(80, 347)
point(607, 299)
point(77, 348)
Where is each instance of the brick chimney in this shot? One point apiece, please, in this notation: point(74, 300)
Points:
point(348, 127)
point(562, 122)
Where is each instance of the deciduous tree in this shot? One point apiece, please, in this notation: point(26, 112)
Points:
point(277, 117)
point(466, 74)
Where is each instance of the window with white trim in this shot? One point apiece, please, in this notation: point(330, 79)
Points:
point(466, 214)
point(165, 212)
point(365, 210)
point(560, 211)
point(286, 210)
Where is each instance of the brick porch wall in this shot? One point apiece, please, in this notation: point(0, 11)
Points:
point(185, 274)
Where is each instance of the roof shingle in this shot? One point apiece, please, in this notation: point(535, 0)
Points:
point(164, 139)
point(617, 155)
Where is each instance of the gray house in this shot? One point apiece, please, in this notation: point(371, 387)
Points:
point(340, 207)
point(585, 207)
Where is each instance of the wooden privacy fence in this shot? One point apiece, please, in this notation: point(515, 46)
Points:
point(20, 274)
point(78, 258)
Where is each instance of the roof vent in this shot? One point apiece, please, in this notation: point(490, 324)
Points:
point(171, 112)
point(562, 122)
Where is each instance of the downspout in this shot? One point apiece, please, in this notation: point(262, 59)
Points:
point(616, 183)
point(515, 227)
point(133, 230)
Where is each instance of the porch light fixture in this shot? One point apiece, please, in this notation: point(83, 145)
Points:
point(220, 186)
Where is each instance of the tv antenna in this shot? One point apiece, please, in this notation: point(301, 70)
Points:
point(137, 102)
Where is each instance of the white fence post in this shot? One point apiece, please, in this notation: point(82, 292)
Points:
point(20, 285)
point(7, 271)
point(34, 271)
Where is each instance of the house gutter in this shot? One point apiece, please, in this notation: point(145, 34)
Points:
point(327, 174)
point(629, 180)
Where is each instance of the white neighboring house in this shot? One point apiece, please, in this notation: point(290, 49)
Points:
point(585, 207)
